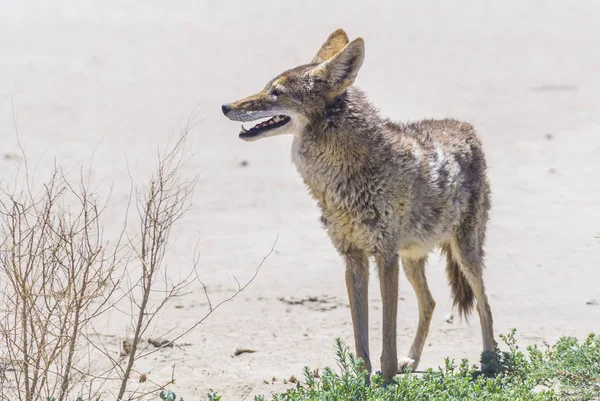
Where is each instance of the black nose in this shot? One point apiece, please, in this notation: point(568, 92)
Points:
point(225, 109)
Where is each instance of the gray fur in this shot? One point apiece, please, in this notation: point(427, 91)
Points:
point(386, 187)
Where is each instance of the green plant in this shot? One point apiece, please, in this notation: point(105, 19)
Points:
point(168, 395)
point(571, 366)
point(212, 396)
point(568, 370)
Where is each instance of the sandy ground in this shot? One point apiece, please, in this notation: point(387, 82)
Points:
point(114, 80)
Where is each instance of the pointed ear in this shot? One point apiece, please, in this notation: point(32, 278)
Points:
point(341, 70)
point(334, 43)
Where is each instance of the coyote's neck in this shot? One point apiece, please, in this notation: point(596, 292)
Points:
point(338, 147)
point(337, 137)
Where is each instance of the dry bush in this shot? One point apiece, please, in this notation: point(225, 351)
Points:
point(159, 207)
point(59, 277)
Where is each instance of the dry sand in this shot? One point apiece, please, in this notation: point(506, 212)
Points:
point(114, 80)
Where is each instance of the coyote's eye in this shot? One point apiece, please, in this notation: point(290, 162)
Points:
point(276, 92)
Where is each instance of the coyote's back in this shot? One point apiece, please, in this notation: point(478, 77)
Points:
point(389, 190)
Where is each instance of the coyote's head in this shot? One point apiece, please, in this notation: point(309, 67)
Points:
point(294, 98)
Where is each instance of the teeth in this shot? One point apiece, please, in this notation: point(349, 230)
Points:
point(267, 123)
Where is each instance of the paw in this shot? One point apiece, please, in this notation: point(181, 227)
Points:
point(407, 364)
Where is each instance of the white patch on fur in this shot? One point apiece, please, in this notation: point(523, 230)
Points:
point(416, 251)
point(406, 362)
point(440, 154)
point(298, 159)
point(435, 165)
point(310, 82)
point(298, 123)
point(455, 251)
point(417, 152)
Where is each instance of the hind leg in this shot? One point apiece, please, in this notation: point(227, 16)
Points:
point(466, 249)
point(415, 272)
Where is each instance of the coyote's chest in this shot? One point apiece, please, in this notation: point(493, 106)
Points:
point(349, 210)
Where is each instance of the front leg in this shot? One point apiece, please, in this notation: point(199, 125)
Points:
point(388, 279)
point(357, 283)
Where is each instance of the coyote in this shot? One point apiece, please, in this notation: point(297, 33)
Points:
point(388, 190)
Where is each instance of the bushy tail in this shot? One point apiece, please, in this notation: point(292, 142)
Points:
point(462, 293)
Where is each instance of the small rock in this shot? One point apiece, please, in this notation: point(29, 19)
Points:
point(593, 302)
point(449, 318)
point(160, 342)
point(552, 171)
point(244, 163)
point(240, 351)
point(548, 88)
point(11, 156)
point(292, 379)
point(549, 136)
point(143, 378)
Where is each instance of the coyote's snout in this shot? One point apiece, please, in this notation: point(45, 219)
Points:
point(389, 190)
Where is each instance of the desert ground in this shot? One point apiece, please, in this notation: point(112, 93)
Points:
point(104, 83)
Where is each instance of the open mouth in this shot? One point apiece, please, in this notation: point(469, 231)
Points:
point(265, 125)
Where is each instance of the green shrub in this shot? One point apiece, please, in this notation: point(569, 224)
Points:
point(568, 370)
